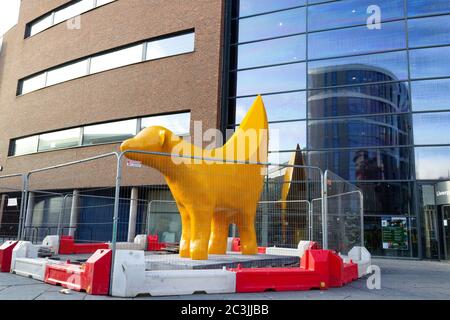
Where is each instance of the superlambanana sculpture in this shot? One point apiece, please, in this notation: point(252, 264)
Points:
point(211, 195)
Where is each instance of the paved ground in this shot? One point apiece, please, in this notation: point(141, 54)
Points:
point(400, 279)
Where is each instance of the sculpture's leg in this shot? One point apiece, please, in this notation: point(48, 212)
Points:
point(200, 233)
point(185, 233)
point(219, 233)
point(247, 232)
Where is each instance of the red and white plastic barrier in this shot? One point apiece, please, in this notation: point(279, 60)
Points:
point(67, 245)
point(6, 250)
point(361, 256)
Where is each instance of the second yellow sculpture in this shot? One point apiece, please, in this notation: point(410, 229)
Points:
point(211, 195)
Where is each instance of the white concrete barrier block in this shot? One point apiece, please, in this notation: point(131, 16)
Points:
point(283, 251)
point(139, 243)
point(129, 273)
point(303, 246)
point(24, 249)
point(185, 282)
point(29, 267)
point(52, 242)
point(362, 257)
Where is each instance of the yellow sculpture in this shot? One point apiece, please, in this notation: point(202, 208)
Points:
point(211, 195)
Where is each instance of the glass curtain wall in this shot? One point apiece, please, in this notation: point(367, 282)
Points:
point(362, 87)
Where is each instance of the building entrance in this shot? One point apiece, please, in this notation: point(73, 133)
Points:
point(446, 230)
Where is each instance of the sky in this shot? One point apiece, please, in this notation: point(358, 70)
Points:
point(9, 13)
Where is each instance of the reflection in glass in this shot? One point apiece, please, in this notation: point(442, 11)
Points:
point(34, 83)
point(249, 7)
point(429, 31)
point(60, 139)
point(432, 163)
point(288, 49)
point(423, 7)
point(116, 59)
point(272, 25)
point(351, 12)
point(272, 79)
point(109, 132)
point(25, 145)
point(430, 94)
point(388, 130)
point(355, 100)
point(361, 69)
point(68, 72)
point(285, 106)
point(170, 46)
point(431, 62)
point(280, 157)
point(73, 10)
point(357, 40)
point(41, 25)
point(432, 128)
point(365, 164)
point(286, 135)
point(178, 123)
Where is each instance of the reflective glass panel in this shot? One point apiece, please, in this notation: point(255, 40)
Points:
point(368, 164)
point(272, 25)
point(25, 145)
point(286, 106)
point(390, 66)
point(286, 135)
point(280, 157)
point(431, 62)
point(73, 10)
point(59, 139)
point(41, 25)
point(423, 7)
point(432, 163)
point(34, 83)
point(249, 7)
point(429, 31)
point(288, 49)
point(430, 95)
point(170, 46)
point(109, 132)
point(357, 40)
point(272, 79)
point(178, 123)
point(432, 128)
point(116, 59)
point(351, 12)
point(388, 130)
point(68, 72)
point(354, 100)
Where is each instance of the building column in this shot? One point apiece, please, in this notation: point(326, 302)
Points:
point(133, 214)
point(29, 214)
point(74, 211)
point(2, 207)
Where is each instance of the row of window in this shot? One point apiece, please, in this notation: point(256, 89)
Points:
point(73, 9)
point(346, 12)
point(431, 163)
point(110, 132)
point(390, 66)
point(426, 95)
point(148, 50)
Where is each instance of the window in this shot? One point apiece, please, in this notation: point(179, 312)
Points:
point(170, 46)
point(116, 59)
point(73, 9)
point(429, 31)
point(68, 72)
point(432, 62)
point(272, 25)
point(289, 49)
point(357, 40)
point(109, 132)
point(424, 7)
point(285, 136)
point(351, 12)
point(432, 128)
point(432, 163)
point(430, 95)
point(61, 139)
point(249, 7)
point(178, 123)
point(34, 83)
point(272, 79)
point(25, 145)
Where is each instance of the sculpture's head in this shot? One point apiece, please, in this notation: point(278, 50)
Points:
point(152, 139)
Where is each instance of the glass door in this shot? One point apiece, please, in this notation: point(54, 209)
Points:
point(446, 231)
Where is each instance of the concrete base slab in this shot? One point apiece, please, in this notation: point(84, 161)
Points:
point(215, 261)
